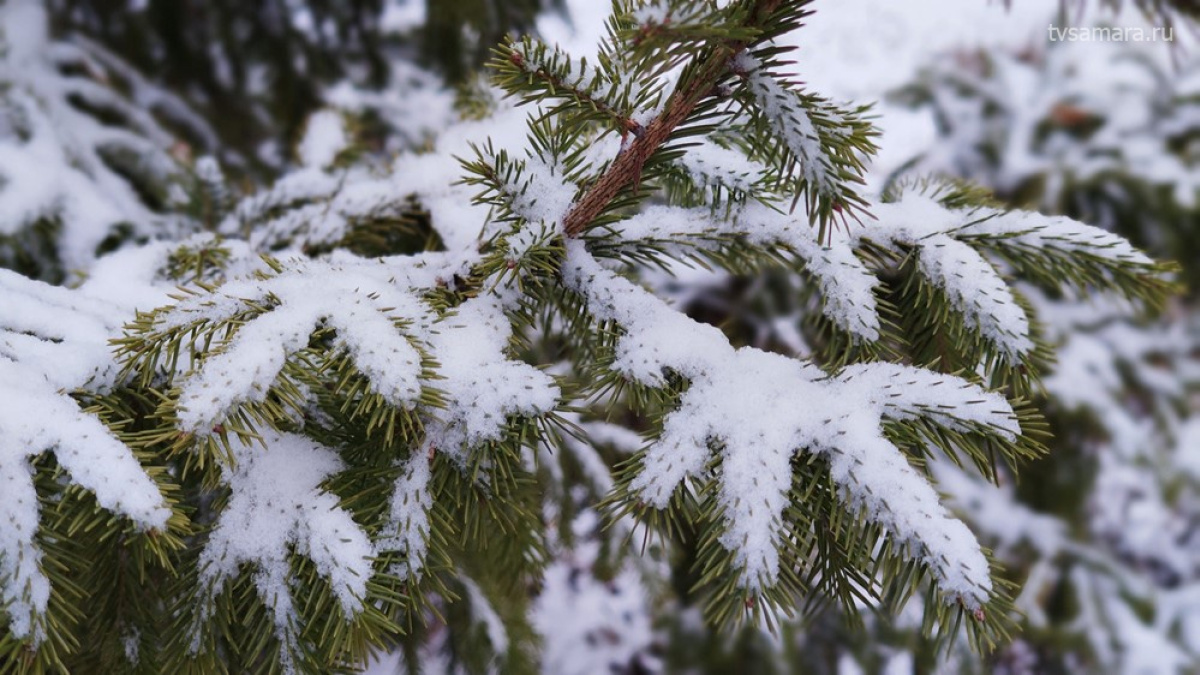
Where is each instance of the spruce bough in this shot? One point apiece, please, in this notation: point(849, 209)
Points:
point(288, 463)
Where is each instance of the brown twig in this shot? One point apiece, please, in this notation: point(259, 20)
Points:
point(627, 169)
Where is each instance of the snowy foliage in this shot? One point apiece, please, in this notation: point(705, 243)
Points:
point(750, 404)
point(105, 172)
point(1101, 131)
point(374, 403)
point(277, 507)
point(52, 341)
point(1098, 131)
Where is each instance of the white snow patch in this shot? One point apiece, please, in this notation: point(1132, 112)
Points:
point(276, 504)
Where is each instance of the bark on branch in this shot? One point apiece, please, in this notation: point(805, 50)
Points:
point(627, 169)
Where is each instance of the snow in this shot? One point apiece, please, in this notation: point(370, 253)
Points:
point(654, 13)
point(1189, 447)
point(713, 165)
point(859, 49)
point(298, 187)
point(415, 104)
point(751, 406)
point(131, 644)
point(276, 504)
point(899, 663)
point(73, 183)
point(753, 411)
point(356, 304)
point(792, 122)
point(483, 612)
point(1008, 523)
point(578, 30)
point(482, 385)
point(572, 75)
point(407, 530)
point(544, 195)
point(589, 625)
point(594, 468)
point(1137, 520)
point(402, 15)
point(324, 138)
point(846, 665)
point(1006, 118)
point(433, 177)
point(947, 243)
point(53, 342)
point(1131, 644)
point(364, 302)
point(1038, 232)
point(972, 283)
point(847, 286)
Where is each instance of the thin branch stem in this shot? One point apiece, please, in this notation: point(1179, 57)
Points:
point(627, 169)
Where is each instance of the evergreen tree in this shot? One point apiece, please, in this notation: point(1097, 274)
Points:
point(417, 406)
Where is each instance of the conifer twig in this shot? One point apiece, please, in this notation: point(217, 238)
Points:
point(627, 168)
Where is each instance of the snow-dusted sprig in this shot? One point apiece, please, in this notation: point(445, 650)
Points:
point(356, 342)
point(311, 212)
point(445, 461)
point(319, 205)
point(923, 232)
point(964, 299)
point(295, 190)
point(482, 385)
point(955, 278)
point(625, 87)
point(267, 341)
point(528, 254)
point(540, 187)
point(698, 94)
point(277, 510)
point(713, 439)
point(451, 508)
point(580, 92)
point(1058, 251)
point(946, 251)
point(847, 284)
point(532, 195)
point(410, 519)
point(53, 342)
point(820, 147)
point(446, 507)
point(956, 255)
point(657, 36)
point(1051, 251)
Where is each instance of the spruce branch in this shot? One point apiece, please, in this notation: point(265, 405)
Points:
point(699, 82)
point(536, 71)
point(337, 455)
